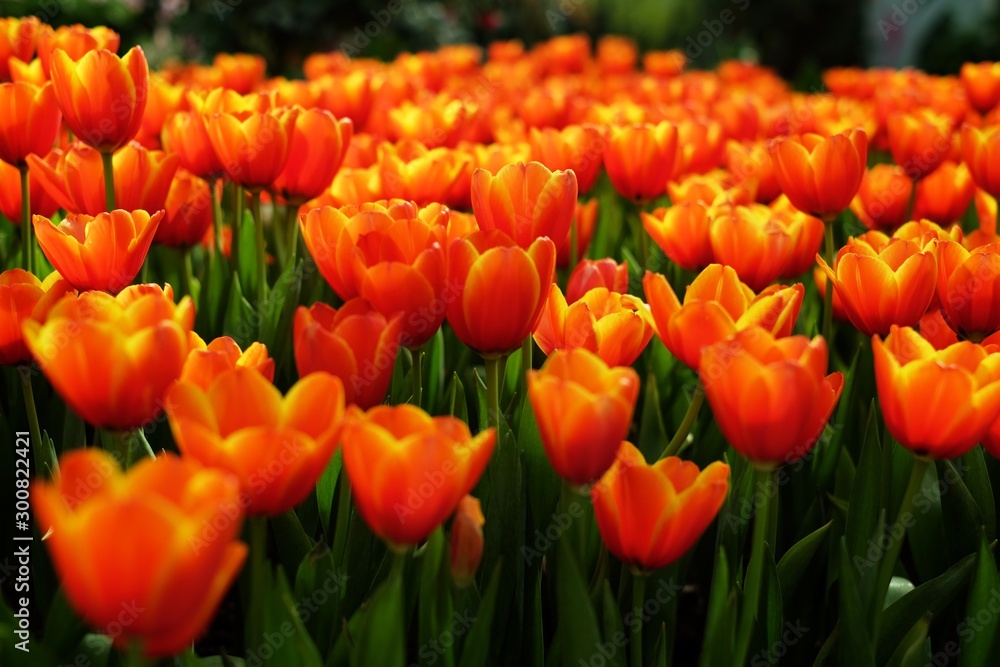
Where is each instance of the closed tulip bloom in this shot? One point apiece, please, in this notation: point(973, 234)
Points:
point(883, 200)
point(770, 396)
point(408, 470)
point(10, 192)
point(981, 151)
point(22, 297)
point(982, 84)
point(751, 163)
point(617, 327)
point(937, 403)
point(17, 42)
point(188, 212)
point(591, 273)
point(640, 159)
point(716, 305)
point(31, 121)
point(185, 133)
point(584, 410)
point(465, 546)
point(498, 289)
point(576, 147)
point(243, 425)
point(102, 96)
point(944, 194)
point(130, 348)
point(356, 343)
point(821, 175)
point(206, 362)
point(650, 515)
point(585, 219)
point(879, 288)
point(316, 149)
point(76, 40)
point(969, 288)
point(103, 252)
point(253, 147)
point(177, 524)
point(682, 232)
point(919, 141)
point(525, 201)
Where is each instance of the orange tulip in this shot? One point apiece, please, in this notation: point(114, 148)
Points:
point(10, 192)
point(919, 141)
point(76, 40)
point(590, 273)
point(465, 547)
point(484, 270)
point(276, 446)
point(820, 175)
point(103, 252)
point(585, 219)
point(27, 72)
point(982, 84)
point(584, 410)
point(664, 63)
point(882, 287)
point(182, 519)
point(944, 194)
point(347, 96)
point(576, 147)
point(408, 470)
point(188, 212)
point(525, 202)
point(716, 305)
point(206, 362)
point(969, 288)
point(356, 343)
point(129, 347)
point(935, 330)
point(701, 143)
point(751, 163)
point(102, 96)
point(883, 200)
point(615, 326)
point(185, 133)
point(616, 55)
point(434, 123)
point(387, 255)
point(682, 233)
point(651, 515)
point(420, 175)
point(164, 101)
point(980, 150)
point(31, 121)
point(253, 147)
point(17, 42)
point(937, 403)
point(22, 297)
point(771, 397)
point(316, 148)
point(640, 159)
point(239, 71)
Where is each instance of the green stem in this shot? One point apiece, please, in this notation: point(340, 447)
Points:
point(261, 253)
point(109, 180)
point(828, 298)
point(237, 227)
point(135, 656)
point(216, 216)
point(418, 375)
point(638, 601)
point(573, 259)
point(292, 222)
point(343, 516)
point(44, 458)
point(687, 423)
point(522, 383)
point(493, 391)
point(755, 569)
point(27, 240)
point(138, 445)
point(187, 275)
point(903, 518)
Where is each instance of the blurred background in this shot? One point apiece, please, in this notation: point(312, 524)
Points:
point(796, 37)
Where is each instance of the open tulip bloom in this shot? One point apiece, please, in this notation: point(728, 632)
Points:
point(562, 354)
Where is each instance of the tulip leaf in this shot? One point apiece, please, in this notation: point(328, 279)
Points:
point(796, 560)
point(326, 487)
point(965, 513)
point(720, 621)
point(614, 631)
point(400, 387)
point(540, 478)
point(459, 406)
point(318, 590)
point(239, 321)
point(434, 369)
point(978, 631)
point(773, 607)
point(932, 597)
point(247, 255)
point(477, 645)
point(293, 543)
point(929, 532)
point(652, 433)
point(855, 641)
point(277, 313)
point(64, 628)
point(827, 451)
point(435, 618)
point(381, 636)
point(864, 511)
point(914, 649)
point(660, 649)
point(212, 296)
point(576, 622)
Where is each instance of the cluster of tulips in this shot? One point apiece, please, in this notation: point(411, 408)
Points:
point(332, 289)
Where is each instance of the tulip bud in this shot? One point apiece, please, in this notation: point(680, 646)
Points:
point(466, 546)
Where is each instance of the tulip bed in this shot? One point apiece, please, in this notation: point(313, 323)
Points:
point(524, 357)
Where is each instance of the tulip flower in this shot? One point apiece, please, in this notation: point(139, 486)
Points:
point(584, 410)
point(617, 327)
point(76, 40)
point(316, 148)
point(616, 55)
point(525, 202)
point(408, 470)
point(584, 222)
point(423, 176)
point(640, 159)
point(436, 122)
point(239, 71)
point(347, 96)
point(102, 96)
point(486, 269)
point(356, 343)
point(206, 362)
point(185, 133)
point(253, 147)
point(590, 273)
point(650, 515)
point(770, 396)
point(683, 234)
point(944, 194)
point(170, 511)
point(821, 175)
point(982, 84)
point(752, 164)
point(969, 288)
point(465, 548)
point(883, 199)
point(188, 212)
point(103, 252)
point(980, 150)
point(887, 286)
point(919, 141)
point(164, 101)
point(31, 121)
point(130, 348)
point(10, 192)
point(701, 143)
point(937, 403)
point(576, 147)
point(22, 297)
point(935, 330)
point(276, 446)
point(716, 305)
point(17, 42)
